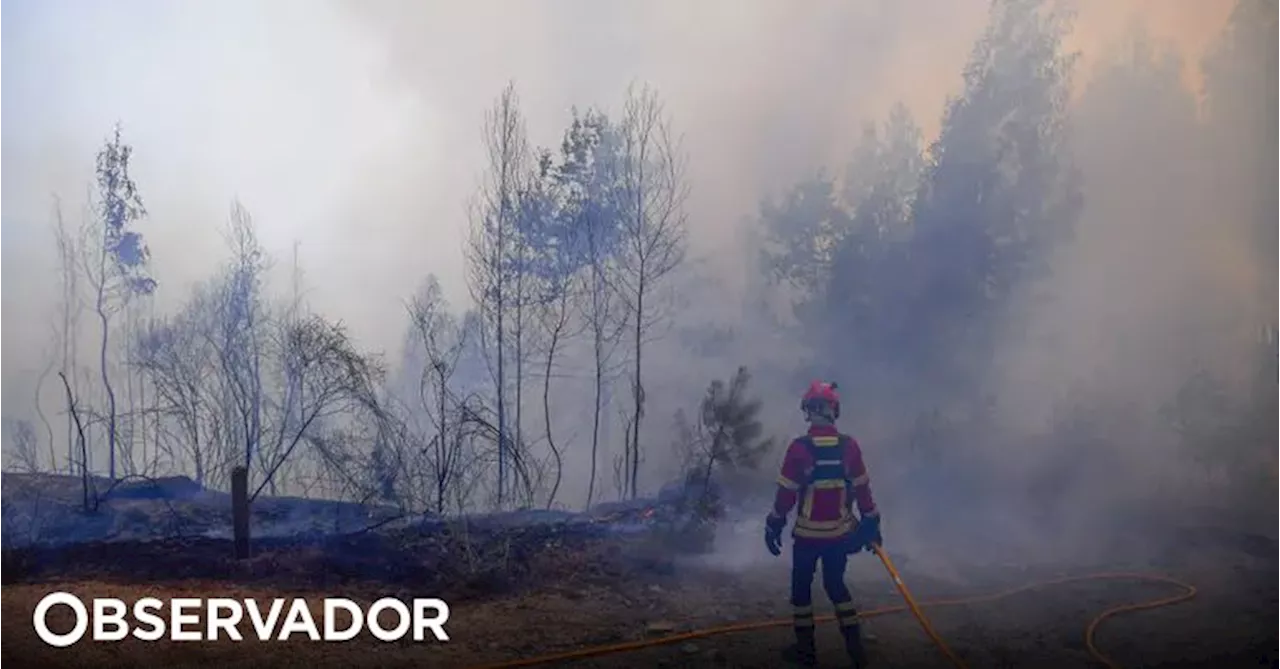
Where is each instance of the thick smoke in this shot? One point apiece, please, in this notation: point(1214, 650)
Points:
point(359, 134)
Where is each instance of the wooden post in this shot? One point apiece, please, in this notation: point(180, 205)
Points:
point(240, 511)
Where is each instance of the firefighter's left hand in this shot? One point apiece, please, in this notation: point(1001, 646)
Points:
point(773, 534)
point(869, 532)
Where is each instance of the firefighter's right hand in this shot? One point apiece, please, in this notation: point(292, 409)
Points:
point(773, 533)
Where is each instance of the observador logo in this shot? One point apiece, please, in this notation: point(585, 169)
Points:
point(213, 619)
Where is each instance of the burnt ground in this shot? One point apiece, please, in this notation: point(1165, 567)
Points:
point(527, 591)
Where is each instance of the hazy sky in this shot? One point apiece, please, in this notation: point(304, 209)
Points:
point(354, 127)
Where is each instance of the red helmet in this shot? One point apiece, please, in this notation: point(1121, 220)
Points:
point(821, 398)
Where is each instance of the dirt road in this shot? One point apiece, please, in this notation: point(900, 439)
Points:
point(1234, 619)
point(1232, 622)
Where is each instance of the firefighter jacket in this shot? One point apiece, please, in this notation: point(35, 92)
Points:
point(823, 471)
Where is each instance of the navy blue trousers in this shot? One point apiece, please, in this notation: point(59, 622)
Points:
point(805, 560)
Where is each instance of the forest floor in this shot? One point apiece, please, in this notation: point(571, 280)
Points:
point(531, 591)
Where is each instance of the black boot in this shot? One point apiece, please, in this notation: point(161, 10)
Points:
point(803, 652)
point(853, 644)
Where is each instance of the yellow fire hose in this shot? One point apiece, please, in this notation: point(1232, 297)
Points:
point(1188, 591)
point(915, 608)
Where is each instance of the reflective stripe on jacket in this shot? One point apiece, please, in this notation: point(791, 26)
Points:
point(823, 471)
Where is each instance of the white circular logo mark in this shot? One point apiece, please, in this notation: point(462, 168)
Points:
point(49, 636)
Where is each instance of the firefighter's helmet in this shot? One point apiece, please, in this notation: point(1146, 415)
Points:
point(822, 399)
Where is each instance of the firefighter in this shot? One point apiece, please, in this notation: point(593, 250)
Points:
point(823, 472)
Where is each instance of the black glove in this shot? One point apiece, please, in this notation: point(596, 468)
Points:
point(867, 533)
point(773, 533)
